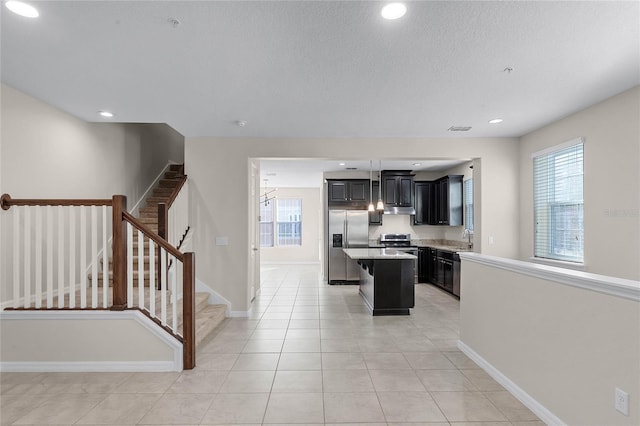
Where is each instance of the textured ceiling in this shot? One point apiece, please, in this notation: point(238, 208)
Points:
point(324, 68)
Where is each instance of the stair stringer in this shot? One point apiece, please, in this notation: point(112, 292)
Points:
point(82, 341)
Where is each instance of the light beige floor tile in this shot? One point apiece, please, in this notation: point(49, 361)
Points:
point(481, 380)
point(215, 362)
point(445, 380)
point(272, 324)
point(412, 344)
point(61, 409)
point(198, 381)
point(305, 316)
point(300, 345)
point(429, 361)
point(276, 315)
point(409, 407)
point(85, 378)
point(234, 346)
point(340, 333)
point(424, 424)
point(300, 361)
point(120, 409)
point(263, 346)
point(303, 333)
point(339, 345)
point(297, 381)
point(257, 361)
point(347, 381)
point(269, 334)
point(295, 408)
point(385, 361)
point(178, 409)
point(248, 382)
point(467, 407)
point(460, 360)
point(147, 383)
point(16, 378)
point(396, 380)
point(352, 408)
point(374, 345)
point(311, 324)
point(237, 408)
point(14, 407)
point(513, 409)
point(343, 361)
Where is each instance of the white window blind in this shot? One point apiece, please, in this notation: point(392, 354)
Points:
point(289, 222)
point(558, 203)
point(266, 224)
point(468, 204)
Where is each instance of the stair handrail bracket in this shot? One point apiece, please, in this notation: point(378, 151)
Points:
point(73, 254)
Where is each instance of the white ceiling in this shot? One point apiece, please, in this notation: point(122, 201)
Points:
point(324, 68)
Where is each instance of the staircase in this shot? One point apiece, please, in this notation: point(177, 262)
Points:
point(208, 317)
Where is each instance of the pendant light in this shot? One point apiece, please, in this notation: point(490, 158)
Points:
point(371, 209)
point(380, 205)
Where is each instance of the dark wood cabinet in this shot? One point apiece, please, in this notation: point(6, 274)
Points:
point(375, 218)
point(442, 269)
point(348, 193)
point(397, 188)
point(425, 203)
point(448, 201)
point(423, 259)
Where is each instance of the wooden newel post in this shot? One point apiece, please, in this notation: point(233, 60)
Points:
point(189, 309)
point(119, 242)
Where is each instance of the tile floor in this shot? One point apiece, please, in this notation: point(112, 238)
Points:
point(309, 354)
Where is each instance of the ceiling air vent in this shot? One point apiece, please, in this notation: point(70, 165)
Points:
point(351, 168)
point(459, 128)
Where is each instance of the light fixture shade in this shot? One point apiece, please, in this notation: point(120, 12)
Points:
point(380, 205)
point(371, 208)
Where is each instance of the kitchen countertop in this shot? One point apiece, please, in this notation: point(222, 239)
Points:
point(376, 254)
point(447, 247)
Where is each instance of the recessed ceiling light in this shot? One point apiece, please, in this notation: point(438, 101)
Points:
point(495, 121)
point(417, 164)
point(22, 9)
point(341, 164)
point(393, 11)
point(241, 123)
point(106, 114)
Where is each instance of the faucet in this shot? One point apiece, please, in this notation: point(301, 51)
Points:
point(469, 234)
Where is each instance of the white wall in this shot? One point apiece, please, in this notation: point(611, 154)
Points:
point(219, 186)
point(309, 251)
point(568, 348)
point(85, 341)
point(611, 132)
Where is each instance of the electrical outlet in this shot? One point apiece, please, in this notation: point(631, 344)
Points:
point(621, 402)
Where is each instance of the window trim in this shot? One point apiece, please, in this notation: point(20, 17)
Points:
point(274, 225)
point(578, 265)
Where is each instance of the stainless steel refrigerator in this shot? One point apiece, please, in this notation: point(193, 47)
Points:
point(347, 229)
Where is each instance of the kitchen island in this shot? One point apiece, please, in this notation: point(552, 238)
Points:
point(386, 279)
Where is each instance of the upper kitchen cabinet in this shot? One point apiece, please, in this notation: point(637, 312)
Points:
point(448, 200)
point(425, 203)
point(397, 189)
point(348, 193)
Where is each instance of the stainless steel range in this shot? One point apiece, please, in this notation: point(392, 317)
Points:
point(401, 242)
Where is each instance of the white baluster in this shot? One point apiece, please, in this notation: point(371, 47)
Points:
point(38, 268)
point(163, 286)
point(140, 269)
point(27, 258)
point(72, 256)
point(105, 259)
point(94, 257)
point(129, 265)
point(152, 279)
point(16, 256)
point(174, 295)
point(83, 257)
point(49, 215)
point(60, 236)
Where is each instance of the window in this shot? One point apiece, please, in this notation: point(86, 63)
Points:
point(558, 203)
point(468, 204)
point(286, 230)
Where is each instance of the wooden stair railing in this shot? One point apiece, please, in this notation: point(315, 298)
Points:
point(56, 220)
point(174, 234)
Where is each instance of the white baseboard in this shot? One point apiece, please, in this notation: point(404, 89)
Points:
point(134, 210)
point(538, 409)
point(107, 366)
point(214, 297)
point(290, 262)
